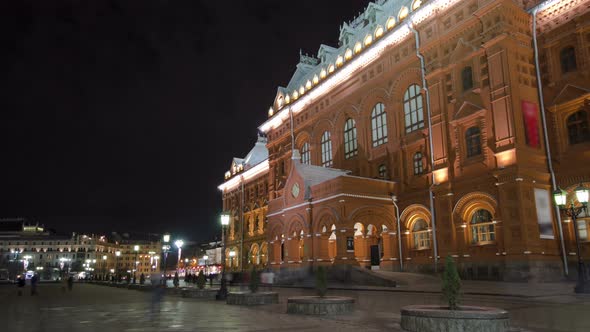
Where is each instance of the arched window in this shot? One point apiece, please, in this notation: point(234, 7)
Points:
point(382, 171)
point(305, 154)
point(577, 127)
point(414, 116)
point(421, 234)
point(326, 149)
point(418, 163)
point(567, 57)
point(473, 141)
point(467, 78)
point(482, 227)
point(379, 125)
point(350, 141)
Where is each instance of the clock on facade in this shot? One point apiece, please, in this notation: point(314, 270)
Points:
point(295, 190)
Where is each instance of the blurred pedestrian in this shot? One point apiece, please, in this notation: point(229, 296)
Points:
point(34, 280)
point(70, 283)
point(20, 283)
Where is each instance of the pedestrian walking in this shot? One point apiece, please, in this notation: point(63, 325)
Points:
point(70, 283)
point(20, 283)
point(34, 281)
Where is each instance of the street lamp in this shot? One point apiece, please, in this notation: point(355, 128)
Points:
point(104, 267)
point(178, 244)
point(165, 249)
point(205, 258)
point(117, 254)
point(136, 249)
point(222, 294)
point(560, 196)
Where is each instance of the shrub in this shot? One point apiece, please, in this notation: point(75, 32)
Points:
point(321, 281)
point(254, 280)
point(451, 284)
point(201, 280)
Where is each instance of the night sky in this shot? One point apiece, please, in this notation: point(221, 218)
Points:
point(124, 115)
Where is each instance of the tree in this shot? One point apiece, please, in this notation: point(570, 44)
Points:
point(201, 280)
point(254, 280)
point(321, 281)
point(451, 285)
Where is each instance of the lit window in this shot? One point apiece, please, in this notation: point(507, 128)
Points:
point(416, 4)
point(326, 144)
point(378, 32)
point(568, 59)
point(379, 125)
point(331, 69)
point(414, 116)
point(350, 141)
point(305, 154)
point(467, 78)
point(315, 79)
point(421, 234)
point(577, 128)
point(339, 61)
point(418, 163)
point(323, 73)
point(358, 47)
point(482, 227)
point(583, 225)
point(390, 23)
point(348, 54)
point(368, 40)
point(382, 171)
point(403, 13)
point(473, 141)
point(270, 112)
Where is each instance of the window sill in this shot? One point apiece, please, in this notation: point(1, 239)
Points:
point(420, 249)
point(484, 244)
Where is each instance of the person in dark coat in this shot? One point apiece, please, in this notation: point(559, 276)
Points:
point(34, 281)
point(70, 283)
point(20, 283)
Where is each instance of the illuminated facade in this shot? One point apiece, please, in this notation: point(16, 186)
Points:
point(245, 197)
point(434, 105)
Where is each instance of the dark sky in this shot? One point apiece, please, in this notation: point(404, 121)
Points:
point(124, 115)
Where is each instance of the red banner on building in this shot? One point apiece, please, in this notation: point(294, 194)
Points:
point(531, 123)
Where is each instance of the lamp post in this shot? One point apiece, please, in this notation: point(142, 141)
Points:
point(222, 294)
point(136, 249)
point(560, 196)
point(205, 258)
point(178, 244)
point(165, 249)
point(117, 254)
point(104, 266)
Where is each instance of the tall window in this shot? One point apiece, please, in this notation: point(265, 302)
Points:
point(350, 141)
point(421, 234)
point(305, 154)
point(418, 163)
point(567, 57)
point(326, 149)
point(382, 171)
point(379, 125)
point(482, 227)
point(473, 141)
point(414, 116)
point(467, 78)
point(577, 127)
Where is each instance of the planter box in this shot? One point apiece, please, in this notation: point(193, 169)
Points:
point(433, 318)
point(315, 305)
point(247, 298)
point(208, 294)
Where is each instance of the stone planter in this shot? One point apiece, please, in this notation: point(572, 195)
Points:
point(434, 318)
point(248, 298)
point(208, 293)
point(315, 305)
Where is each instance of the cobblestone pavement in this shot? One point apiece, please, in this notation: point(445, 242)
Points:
point(100, 308)
point(91, 308)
